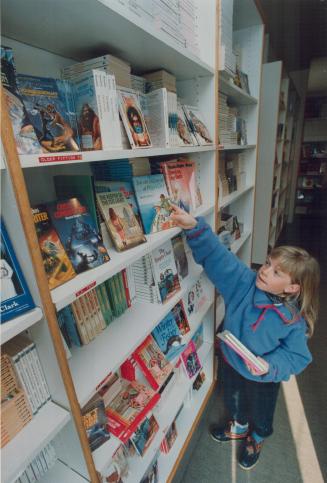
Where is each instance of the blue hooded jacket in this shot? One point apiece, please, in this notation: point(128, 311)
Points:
point(261, 325)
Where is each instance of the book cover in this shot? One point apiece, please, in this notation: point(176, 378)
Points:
point(165, 271)
point(152, 473)
point(145, 434)
point(120, 220)
point(180, 256)
point(125, 187)
point(198, 337)
point(169, 439)
point(75, 227)
point(153, 202)
point(47, 113)
point(57, 265)
point(95, 422)
point(195, 298)
point(168, 337)
point(191, 359)
point(118, 468)
point(133, 119)
point(152, 362)
point(157, 121)
point(25, 136)
point(197, 125)
point(185, 136)
point(180, 177)
point(15, 295)
point(181, 318)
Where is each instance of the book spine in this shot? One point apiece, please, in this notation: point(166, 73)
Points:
point(76, 308)
point(126, 287)
point(71, 325)
point(35, 379)
point(40, 373)
point(122, 290)
point(107, 303)
point(86, 317)
point(24, 381)
point(27, 373)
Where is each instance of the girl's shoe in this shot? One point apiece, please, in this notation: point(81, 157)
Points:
point(250, 453)
point(227, 433)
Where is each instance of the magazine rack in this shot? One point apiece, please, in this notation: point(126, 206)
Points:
point(43, 50)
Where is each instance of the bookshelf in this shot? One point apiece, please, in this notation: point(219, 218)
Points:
point(43, 49)
point(241, 47)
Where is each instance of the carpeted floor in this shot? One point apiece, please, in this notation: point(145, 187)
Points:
point(297, 451)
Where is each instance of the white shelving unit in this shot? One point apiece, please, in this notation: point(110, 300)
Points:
point(247, 33)
point(43, 48)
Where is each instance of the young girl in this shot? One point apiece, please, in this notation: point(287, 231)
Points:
point(272, 313)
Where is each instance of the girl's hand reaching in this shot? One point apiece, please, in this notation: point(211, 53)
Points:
point(182, 218)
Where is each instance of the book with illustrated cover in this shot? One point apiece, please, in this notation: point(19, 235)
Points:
point(15, 295)
point(47, 113)
point(157, 119)
point(153, 202)
point(152, 362)
point(145, 434)
point(185, 135)
point(120, 220)
point(248, 356)
point(195, 298)
point(118, 468)
point(124, 187)
point(198, 337)
point(180, 255)
point(95, 422)
point(168, 337)
point(191, 359)
point(25, 136)
point(197, 125)
point(75, 227)
point(165, 271)
point(169, 439)
point(133, 119)
point(181, 318)
point(57, 265)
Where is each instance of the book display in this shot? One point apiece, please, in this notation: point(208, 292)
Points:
point(98, 302)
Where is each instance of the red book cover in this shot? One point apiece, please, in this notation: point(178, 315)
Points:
point(152, 362)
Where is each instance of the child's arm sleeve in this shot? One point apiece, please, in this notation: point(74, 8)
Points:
point(291, 357)
point(229, 275)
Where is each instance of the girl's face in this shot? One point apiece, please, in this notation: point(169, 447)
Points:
point(270, 278)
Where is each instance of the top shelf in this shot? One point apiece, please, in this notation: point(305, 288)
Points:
point(235, 94)
point(81, 30)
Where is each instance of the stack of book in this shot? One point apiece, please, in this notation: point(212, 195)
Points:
point(227, 122)
point(227, 58)
point(120, 169)
point(138, 83)
point(160, 78)
point(166, 18)
point(188, 25)
point(39, 466)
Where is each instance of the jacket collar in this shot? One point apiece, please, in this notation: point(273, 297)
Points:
point(263, 300)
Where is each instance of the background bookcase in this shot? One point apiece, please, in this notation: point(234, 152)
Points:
point(278, 109)
point(43, 47)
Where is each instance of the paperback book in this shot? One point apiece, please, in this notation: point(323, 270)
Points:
point(125, 187)
point(191, 359)
point(168, 337)
point(197, 125)
point(180, 255)
point(95, 422)
point(186, 136)
point(57, 265)
point(133, 119)
point(153, 202)
point(15, 295)
point(165, 271)
point(195, 298)
point(144, 435)
point(118, 468)
point(120, 220)
point(76, 229)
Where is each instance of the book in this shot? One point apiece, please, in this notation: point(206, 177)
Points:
point(152, 474)
point(186, 136)
point(248, 356)
point(180, 256)
point(145, 434)
point(152, 362)
point(165, 271)
point(169, 439)
point(57, 265)
point(133, 119)
point(75, 227)
point(195, 298)
point(191, 361)
point(25, 135)
point(120, 220)
point(47, 113)
point(153, 202)
point(168, 337)
point(198, 337)
point(157, 117)
point(179, 314)
point(118, 468)
point(16, 298)
point(197, 125)
point(124, 187)
point(95, 422)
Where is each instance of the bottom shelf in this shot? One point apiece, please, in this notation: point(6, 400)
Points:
point(61, 473)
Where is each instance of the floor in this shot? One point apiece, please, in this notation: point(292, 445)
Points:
point(297, 451)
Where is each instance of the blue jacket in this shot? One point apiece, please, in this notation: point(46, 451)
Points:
point(251, 316)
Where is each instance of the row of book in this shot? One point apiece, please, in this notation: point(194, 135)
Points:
point(39, 466)
point(23, 386)
point(232, 127)
point(87, 111)
point(232, 174)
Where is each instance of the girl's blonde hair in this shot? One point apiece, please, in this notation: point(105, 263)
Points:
point(304, 271)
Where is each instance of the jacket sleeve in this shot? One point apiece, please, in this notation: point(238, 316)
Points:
point(291, 357)
point(229, 275)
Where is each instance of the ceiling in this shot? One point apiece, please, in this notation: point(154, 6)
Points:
point(297, 30)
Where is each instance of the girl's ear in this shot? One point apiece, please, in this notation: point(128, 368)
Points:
point(292, 289)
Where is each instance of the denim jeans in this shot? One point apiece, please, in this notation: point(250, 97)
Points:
point(249, 401)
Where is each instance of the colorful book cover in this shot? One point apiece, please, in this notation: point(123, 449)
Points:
point(191, 359)
point(145, 434)
point(180, 255)
point(15, 295)
point(120, 220)
point(118, 468)
point(165, 271)
point(185, 136)
point(133, 119)
point(95, 422)
point(25, 136)
point(181, 318)
point(195, 298)
point(124, 187)
point(57, 265)
point(197, 125)
point(47, 113)
point(75, 227)
point(198, 337)
point(152, 362)
point(168, 337)
point(153, 202)
point(180, 176)
point(169, 439)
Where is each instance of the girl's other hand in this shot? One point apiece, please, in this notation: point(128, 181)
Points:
point(256, 372)
point(182, 218)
